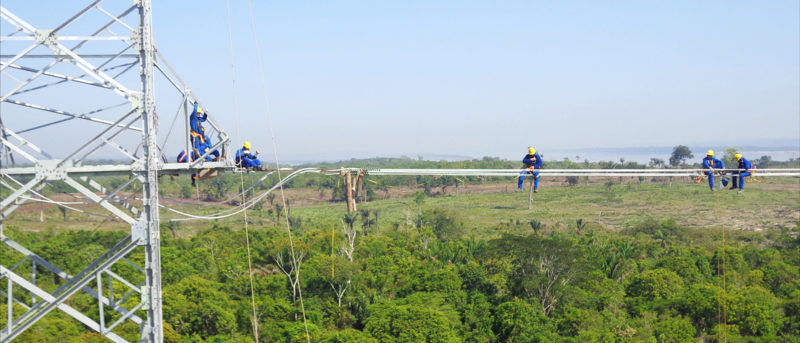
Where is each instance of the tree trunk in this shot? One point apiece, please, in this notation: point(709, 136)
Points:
point(351, 201)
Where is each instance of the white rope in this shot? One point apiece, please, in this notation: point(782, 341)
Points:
point(236, 210)
point(47, 200)
point(258, 182)
point(277, 164)
point(254, 320)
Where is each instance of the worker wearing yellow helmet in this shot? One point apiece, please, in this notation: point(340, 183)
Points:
point(743, 170)
point(247, 160)
point(196, 131)
point(532, 162)
point(714, 166)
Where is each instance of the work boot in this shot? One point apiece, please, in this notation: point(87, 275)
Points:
point(535, 190)
point(740, 191)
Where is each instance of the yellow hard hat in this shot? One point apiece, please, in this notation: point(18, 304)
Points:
point(199, 110)
point(247, 145)
point(738, 157)
point(531, 150)
point(710, 153)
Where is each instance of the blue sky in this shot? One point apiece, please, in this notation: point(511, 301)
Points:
point(473, 78)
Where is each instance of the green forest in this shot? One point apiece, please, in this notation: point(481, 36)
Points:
point(439, 266)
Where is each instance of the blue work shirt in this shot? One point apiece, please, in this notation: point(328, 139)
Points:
point(745, 164)
point(245, 155)
point(195, 120)
point(532, 161)
point(714, 163)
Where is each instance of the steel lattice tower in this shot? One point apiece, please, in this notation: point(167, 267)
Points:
point(99, 68)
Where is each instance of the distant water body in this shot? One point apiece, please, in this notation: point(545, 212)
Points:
point(644, 155)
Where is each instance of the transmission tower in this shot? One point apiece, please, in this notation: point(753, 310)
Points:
point(75, 79)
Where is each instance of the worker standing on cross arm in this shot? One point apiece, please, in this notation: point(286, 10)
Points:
point(197, 132)
point(711, 163)
point(532, 162)
point(247, 160)
point(744, 170)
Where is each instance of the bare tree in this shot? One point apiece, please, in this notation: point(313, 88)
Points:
point(283, 260)
point(339, 277)
point(349, 246)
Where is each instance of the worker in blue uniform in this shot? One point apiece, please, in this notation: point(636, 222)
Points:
point(247, 160)
point(184, 157)
point(744, 170)
point(532, 162)
point(713, 166)
point(201, 149)
point(197, 132)
point(205, 147)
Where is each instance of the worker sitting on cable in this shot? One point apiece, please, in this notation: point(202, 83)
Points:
point(533, 162)
point(197, 132)
point(744, 170)
point(247, 160)
point(714, 165)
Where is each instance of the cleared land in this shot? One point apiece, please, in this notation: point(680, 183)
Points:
point(486, 208)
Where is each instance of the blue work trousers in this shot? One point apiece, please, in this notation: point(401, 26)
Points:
point(740, 180)
point(250, 162)
point(710, 179)
point(522, 178)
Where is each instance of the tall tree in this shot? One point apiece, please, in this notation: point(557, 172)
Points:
point(679, 155)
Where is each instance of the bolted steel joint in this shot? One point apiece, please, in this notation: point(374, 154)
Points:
point(136, 38)
point(145, 292)
point(136, 100)
point(139, 232)
point(51, 170)
point(46, 37)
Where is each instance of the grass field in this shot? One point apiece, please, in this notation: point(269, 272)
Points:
point(488, 209)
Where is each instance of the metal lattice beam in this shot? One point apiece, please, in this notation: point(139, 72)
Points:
point(131, 39)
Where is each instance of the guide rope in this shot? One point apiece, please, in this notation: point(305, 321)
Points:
point(722, 305)
point(277, 164)
point(254, 320)
point(235, 210)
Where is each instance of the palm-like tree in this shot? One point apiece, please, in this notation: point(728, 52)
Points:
point(350, 219)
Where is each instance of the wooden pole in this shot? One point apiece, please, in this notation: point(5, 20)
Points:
point(351, 201)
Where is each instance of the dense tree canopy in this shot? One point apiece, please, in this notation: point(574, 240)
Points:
point(436, 276)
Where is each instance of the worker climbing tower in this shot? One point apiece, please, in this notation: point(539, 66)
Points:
point(69, 95)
